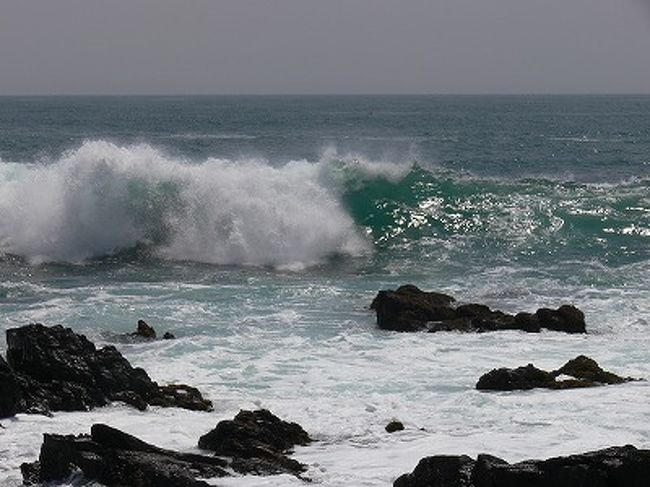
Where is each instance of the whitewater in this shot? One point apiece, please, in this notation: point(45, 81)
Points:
point(259, 230)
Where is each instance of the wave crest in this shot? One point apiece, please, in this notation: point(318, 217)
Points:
point(101, 197)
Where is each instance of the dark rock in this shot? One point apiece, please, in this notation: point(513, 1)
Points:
point(258, 441)
point(55, 369)
point(410, 309)
point(527, 322)
point(144, 331)
point(31, 473)
point(623, 466)
point(115, 458)
point(584, 370)
point(9, 391)
point(168, 336)
point(439, 471)
point(181, 395)
point(394, 426)
point(527, 377)
point(566, 318)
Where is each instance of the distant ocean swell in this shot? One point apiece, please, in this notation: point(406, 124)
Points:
point(102, 198)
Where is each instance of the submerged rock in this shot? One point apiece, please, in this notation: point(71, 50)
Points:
point(258, 441)
point(115, 458)
point(585, 372)
point(623, 466)
point(410, 309)
point(144, 331)
point(55, 369)
point(394, 426)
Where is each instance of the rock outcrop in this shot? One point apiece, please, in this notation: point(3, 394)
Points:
point(54, 369)
point(410, 309)
point(580, 372)
point(254, 442)
point(9, 391)
point(258, 442)
point(623, 466)
point(146, 332)
point(115, 458)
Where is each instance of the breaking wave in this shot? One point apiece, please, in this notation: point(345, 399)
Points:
point(102, 198)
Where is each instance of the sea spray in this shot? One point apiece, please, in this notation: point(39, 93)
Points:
point(102, 197)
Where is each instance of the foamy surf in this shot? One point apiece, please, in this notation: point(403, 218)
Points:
point(102, 197)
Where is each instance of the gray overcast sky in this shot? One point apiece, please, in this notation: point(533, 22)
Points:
point(325, 46)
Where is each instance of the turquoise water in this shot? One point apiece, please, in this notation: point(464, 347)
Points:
point(258, 230)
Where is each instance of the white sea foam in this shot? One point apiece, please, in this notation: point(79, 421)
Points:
point(344, 389)
point(102, 197)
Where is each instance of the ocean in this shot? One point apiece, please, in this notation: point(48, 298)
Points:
point(258, 230)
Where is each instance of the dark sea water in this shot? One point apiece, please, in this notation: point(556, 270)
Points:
point(258, 229)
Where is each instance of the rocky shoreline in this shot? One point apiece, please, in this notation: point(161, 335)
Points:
point(54, 369)
point(623, 466)
point(254, 442)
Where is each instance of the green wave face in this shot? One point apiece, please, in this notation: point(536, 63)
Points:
point(522, 220)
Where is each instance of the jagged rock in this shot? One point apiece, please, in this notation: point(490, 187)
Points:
point(584, 370)
point(115, 458)
point(144, 331)
point(587, 369)
point(181, 395)
point(258, 441)
point(168, 336)
point(623, 466)
point(55, 369)
point(394, 426)
point(410, 309)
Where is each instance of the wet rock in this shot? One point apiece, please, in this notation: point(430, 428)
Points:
point(566, 318)
point(623, 466)
point(168, 336)
point(144, 331)
point(527, 322)
point(258, 441)
point(181, 395)
point(9, 391)
point(115, 458)
point(439, 471)
point(587, 369)
point(584, 372)
point(55, 369)
point(394, 426)
point(410, 309)
point(527, 377)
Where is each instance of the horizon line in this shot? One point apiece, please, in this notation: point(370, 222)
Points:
point(43, 95)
